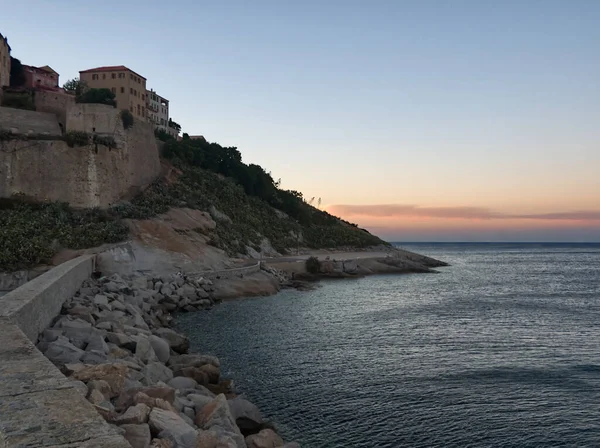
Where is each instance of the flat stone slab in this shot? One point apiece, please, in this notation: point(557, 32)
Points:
point(52, 418)
point(23, 368)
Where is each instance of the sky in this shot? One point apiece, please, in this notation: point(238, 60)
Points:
point(421, 120)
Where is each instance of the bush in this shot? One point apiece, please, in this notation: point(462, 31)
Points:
point(31, 234)
point(313, 265)
point(77, 138)
point(97, 96)
point(163, 135)
point(127, 119)
point(106, 140)
point(18, 101)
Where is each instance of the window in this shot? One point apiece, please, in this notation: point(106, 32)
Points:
point(103, 75)
point(130, 76)
point(131, 109)
point(113, 90)
point(121, 75)
point(114, 76)
point(122, 89)
point(131, 90)
point(94, 76)
point(142, 96)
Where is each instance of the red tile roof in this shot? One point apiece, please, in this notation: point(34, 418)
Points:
point(111, 68)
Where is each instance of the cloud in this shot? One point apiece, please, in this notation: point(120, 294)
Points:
point(473, 213)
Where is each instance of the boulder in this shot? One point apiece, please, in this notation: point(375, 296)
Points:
point(135, 415)
point(240, 407)
point(126, 398)
point(154, 372)
point(161, 443)
point(113, 374)
point(192, 360)
point(121, 340)
point(199, 401)
point(212, 439)
point(182, 382)
point(143, 349)
point(102, 387)
point(138, 436)
point(159, 403)
point(212, 373)
point(161, 348)
point(101, 301)
point(61, 351)
point(94, 357)
point(196, 373)
point(187, 291)
point(97, 343)
point(169, 425)
point(95, 397)
point(267, 438)
point(51, 334)
point(216, 416)
point(177, 342)
point(78, 331)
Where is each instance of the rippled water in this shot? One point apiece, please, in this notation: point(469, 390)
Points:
point(501, 349)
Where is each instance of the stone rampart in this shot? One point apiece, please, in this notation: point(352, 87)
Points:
point(30, 122)
point(56, 103)
point(38, 405)
point(87, 176)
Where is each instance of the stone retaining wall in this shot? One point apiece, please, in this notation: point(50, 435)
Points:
point(39, 406)
point(229, 273)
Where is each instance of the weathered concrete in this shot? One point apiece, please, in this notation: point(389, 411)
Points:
point(33, 306)
point(56, 103)
point(39, 407)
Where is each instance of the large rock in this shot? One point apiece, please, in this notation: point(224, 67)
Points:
point(77, 330)
point(126, 398)
point(161, 348)
point(135, 415)
point(177, 342)
point(267, 438)
point(102, 387)
point(240, 407)
point(182, 382)
point(159, 403)
point(121, 340)
point(97, 343)
point(196, 373)
point(213, 439)
point(154, 372)
point(61, 351)
point(216, 417)
point(114, 374)
point(144, 350)
point(169, 425)
point(138, 436)
point(199, 401)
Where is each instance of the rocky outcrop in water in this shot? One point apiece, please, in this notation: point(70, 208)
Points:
point(113, 338)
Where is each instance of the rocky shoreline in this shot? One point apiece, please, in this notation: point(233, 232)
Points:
point(113, 337)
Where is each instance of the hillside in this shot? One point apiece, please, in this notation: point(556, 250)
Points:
point(252, 214)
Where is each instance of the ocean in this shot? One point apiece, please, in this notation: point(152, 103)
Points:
point(500, 349)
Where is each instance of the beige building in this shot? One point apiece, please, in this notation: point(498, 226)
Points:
point(129, 87)
point(158, 110)
point(4, 62)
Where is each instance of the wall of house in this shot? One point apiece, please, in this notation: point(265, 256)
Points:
point(4, 62)
point(89, 176)
point(56, 103)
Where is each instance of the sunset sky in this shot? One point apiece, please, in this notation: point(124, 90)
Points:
point(423, 120)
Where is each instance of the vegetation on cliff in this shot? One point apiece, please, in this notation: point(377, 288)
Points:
point(244, 200)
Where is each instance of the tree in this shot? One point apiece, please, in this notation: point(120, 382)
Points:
point(174, 125)
point(17, 73)
point(75, 86)
point(98, 96)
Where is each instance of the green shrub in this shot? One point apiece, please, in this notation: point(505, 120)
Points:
point(18, 101)
point(163, 135)
point(106, 140)
point(127, 119)
point(313, 265)
point(77, 138)
point(97, 96)
point(31, 234)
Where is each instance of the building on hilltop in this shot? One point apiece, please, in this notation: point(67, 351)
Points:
point(4, 62)
point(40, 77)
point(157, 110)
point(128, 86)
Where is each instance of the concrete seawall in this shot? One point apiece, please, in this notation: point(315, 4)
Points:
point(39, 406)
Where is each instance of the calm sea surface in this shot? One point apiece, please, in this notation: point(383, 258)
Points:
point(502, 349)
